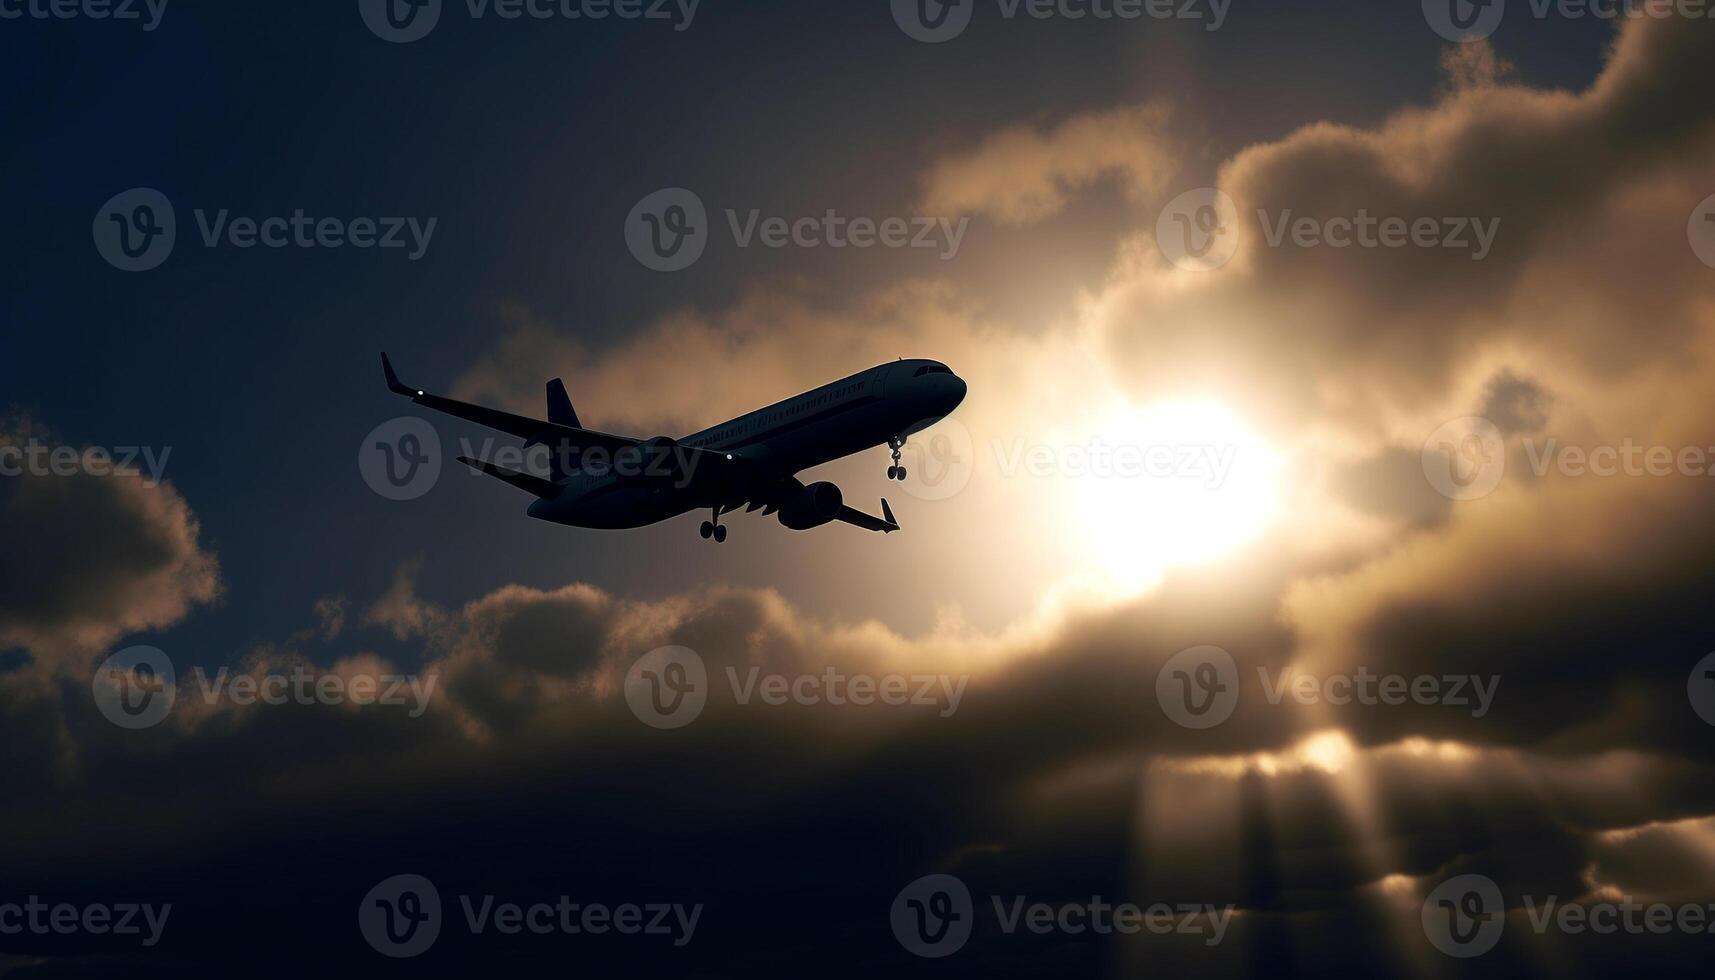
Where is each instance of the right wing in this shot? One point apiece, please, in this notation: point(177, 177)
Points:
point(868, 523)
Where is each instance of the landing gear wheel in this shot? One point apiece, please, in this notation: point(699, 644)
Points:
point(720, 534)
point(896, 471)
point(901, 474)
point(893, 472)
point(706, 530)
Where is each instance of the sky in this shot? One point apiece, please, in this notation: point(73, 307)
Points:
point(1321, 547)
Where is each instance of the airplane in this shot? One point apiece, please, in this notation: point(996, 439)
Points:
point(600, 480)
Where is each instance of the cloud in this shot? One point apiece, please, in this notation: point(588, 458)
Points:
point(1022, 175)
point(1060, 774)
point(93, 558)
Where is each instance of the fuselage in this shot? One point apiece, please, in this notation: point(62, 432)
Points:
point(771, 445)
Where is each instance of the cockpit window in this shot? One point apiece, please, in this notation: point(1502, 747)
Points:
point(931, 369)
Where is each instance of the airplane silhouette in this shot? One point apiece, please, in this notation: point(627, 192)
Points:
point(599, 480)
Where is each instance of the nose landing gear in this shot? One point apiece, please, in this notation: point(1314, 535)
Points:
point(713, 528)
point(896, 471)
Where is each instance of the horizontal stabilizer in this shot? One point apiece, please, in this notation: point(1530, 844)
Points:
point(546, 489)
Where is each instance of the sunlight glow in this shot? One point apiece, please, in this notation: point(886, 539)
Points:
point(1330, 751)
point(1174, 483)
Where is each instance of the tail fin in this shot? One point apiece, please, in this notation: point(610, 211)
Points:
point(560, 411)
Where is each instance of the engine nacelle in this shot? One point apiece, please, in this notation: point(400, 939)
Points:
point(813, 506)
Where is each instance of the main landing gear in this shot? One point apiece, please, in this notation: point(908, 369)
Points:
point(713, 528)
point(896, 471)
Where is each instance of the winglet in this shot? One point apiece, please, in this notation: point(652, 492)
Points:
point(393, 383)
point(887, 512)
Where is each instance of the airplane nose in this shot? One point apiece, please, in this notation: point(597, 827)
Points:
point(955, 392)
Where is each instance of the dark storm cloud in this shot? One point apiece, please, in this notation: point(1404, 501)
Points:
point(1599, 179)
point(93, 555)
point(577, 795)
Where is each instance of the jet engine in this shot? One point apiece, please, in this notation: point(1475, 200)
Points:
point(811, 506)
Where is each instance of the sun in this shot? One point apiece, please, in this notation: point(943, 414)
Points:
point(1173, 483)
